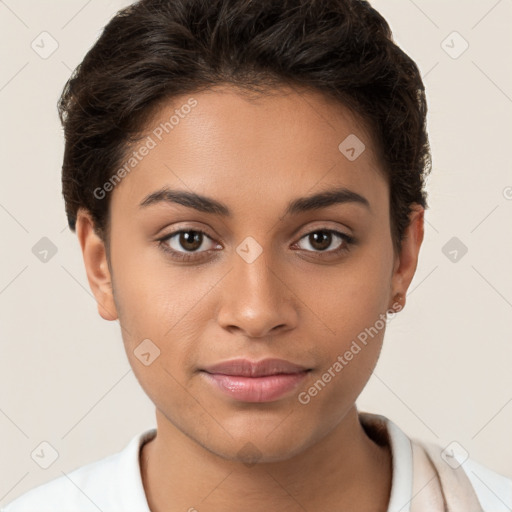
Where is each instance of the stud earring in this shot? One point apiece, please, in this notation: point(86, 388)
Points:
point(397, 299)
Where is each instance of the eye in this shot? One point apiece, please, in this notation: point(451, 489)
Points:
point(192, 244)
point(321, 239)
point(191, 240)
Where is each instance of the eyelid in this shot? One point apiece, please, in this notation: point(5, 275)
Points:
point(345, 230)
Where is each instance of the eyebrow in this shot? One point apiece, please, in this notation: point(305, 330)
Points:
point(205, 204)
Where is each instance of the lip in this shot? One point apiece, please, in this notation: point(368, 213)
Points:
point(247, 368)
point(261, 381)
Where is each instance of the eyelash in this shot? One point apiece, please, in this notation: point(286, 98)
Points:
point(348, 241)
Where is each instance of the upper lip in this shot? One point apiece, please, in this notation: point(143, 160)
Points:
point(246, 368)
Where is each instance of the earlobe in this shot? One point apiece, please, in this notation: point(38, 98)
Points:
point(407, 262)
point(96, 265)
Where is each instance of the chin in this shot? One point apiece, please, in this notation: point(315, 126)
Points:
point(260, 446)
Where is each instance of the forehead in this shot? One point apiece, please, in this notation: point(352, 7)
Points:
point(222, 142)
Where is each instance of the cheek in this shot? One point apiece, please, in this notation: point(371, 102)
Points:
point(349, 354)
point(151, 294)
point(165, 305)
point(349, 310)
point(347, 298)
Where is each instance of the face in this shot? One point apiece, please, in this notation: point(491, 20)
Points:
point(254, 270)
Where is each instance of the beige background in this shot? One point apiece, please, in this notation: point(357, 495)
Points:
point(444, 374)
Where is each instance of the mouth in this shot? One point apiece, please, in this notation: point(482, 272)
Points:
point(263, 381)
point(247, 368)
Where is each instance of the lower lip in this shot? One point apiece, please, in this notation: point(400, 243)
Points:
point(256, 389)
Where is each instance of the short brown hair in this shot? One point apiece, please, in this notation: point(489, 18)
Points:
point(154, 50)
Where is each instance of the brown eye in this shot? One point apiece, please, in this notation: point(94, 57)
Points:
point(192, 244)
point(321, 239)
point(190, 240)
point(186, 242)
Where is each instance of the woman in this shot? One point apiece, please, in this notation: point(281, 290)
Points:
point(246, 180)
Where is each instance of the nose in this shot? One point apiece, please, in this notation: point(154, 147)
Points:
point(256, 299)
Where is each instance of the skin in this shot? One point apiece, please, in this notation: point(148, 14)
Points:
point(294, 302)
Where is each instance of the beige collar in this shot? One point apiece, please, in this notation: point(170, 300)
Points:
point(433, 486)
point(437, 487)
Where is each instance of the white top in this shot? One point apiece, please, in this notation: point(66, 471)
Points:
point(114, 483)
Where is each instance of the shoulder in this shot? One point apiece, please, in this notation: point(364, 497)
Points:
point(112, 483)
point(70, 491)
point(494, 490)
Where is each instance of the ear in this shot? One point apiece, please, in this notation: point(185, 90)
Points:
point(407, 261)
point(96, 265)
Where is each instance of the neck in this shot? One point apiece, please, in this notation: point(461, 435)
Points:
point(336, 472)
